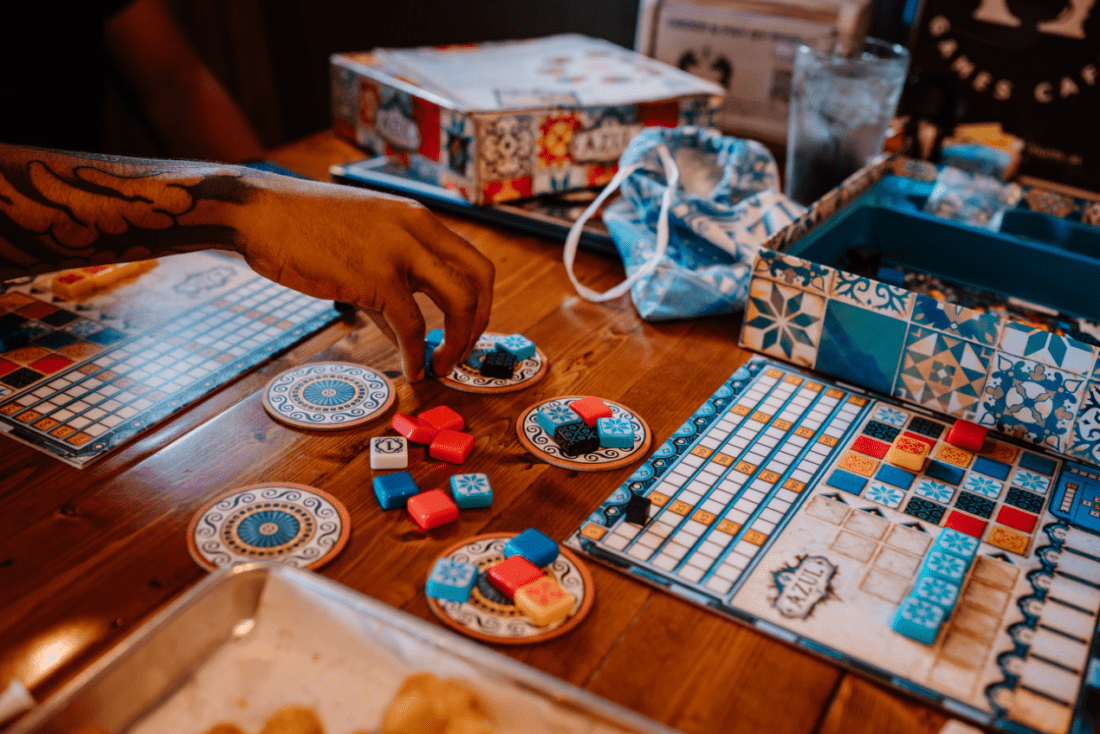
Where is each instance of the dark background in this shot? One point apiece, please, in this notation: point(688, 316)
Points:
point(272, 55)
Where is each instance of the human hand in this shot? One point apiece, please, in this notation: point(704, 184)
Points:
point(375, 251)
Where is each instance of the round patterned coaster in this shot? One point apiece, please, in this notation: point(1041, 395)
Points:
point(289, 523)
point(535, 439)
point(527, 372)
point(328, 396)
point(490, 616)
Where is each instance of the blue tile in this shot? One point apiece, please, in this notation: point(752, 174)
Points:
point(452, 580)
point(1037, 463)
point(895, 476)
point(434, 337)
point(861, 346)
point(944, 472)
point(393, 490)
point(991, 467)
point(471, 490)
point(106, 336)
point(534, 546)
point(918, 620)
point(847, 481)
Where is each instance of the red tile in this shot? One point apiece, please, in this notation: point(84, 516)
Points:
point(7, 366)
point(591, 410)
point(1018, 519)
point(36, 310)
point(431, 509)
point(49, 365)
point(442, 417)
point(917, 437)
point(870, 447)
point(967, 435)
point(413, 429)
point(511, 574)
point(964, 523)
point(452, 446)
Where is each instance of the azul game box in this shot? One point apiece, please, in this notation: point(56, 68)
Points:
point(502, 121)
point(923, 507)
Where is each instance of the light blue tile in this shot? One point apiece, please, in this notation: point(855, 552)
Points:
point(861, 346)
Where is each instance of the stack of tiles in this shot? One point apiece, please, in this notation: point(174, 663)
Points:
point(585, 426)
point(440, 428)
point(520, 578)
point(936, 592)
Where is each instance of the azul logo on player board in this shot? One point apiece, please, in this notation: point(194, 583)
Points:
point(605, 142)
point(803, 586)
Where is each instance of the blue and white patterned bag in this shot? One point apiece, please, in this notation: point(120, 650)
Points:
point(695, 208)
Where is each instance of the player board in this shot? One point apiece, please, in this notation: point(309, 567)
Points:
point(80, 378)
point(773, 505)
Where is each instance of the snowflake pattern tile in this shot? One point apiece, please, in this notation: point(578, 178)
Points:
point(1030, 400)
point(783, 322)
point(872, 295)
point(470, 484)
point(958, 543)
point(884, 495)
point(933, 490)
point(936, 591)
point(1034, 481)
point(946, 565)
point(890, 416)
point(983, 485)
point(452, 572)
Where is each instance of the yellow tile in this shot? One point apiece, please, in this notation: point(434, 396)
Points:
point(857, 401)
point(658, 499)
point(794, 485)
point(728, 526)
point(954, 455)
point(761, 417)
point(11, 409)
point(740, 409)
point(756, 537)
point(680, 508)
point(911, 445)
point(704, 517)
point(14, 300)
point(30, 416)
point(1000, 451)
point(1008, 539)
point(793, 379)
point(773, 373)
point(744, 467)
point(722, 459)
point(79, 439)
point(62, 431)
point(906, 459)
point(702, 451)
point(832, 392)
point(769, 476)
point(827, 440)
point(803, 432)
point(814, 386)
point(858, 463)
point(45, 424)
point(26, 355)
point(593, 531)
point(544, 602)
point(782, 425)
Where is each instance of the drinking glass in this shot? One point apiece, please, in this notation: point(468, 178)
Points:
point(841, 106)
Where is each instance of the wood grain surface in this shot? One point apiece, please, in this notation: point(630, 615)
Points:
point(87, 555)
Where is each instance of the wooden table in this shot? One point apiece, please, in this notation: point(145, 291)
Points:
point(87, 555)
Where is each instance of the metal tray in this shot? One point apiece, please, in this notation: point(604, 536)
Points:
point(253, 638)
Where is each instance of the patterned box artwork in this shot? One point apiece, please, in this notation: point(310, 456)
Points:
point(468, 133)
point(1015, 378)
point(95, 373)
point(776, 504)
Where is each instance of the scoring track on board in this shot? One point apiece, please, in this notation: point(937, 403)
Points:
point(772, 505)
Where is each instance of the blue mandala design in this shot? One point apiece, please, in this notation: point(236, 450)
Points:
point(955, 320)
point(884, 495)
point(933, 490)
point(328, 393)
point(1031, 480)
point(982, 485)
point(782, 321)
point(268, 528)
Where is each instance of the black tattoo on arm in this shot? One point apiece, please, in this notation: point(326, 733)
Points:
point(58, 210)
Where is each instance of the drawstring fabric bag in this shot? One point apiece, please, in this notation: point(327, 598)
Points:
point(695, 208)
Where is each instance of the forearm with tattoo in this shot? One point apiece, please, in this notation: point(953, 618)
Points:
point(61, 210)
